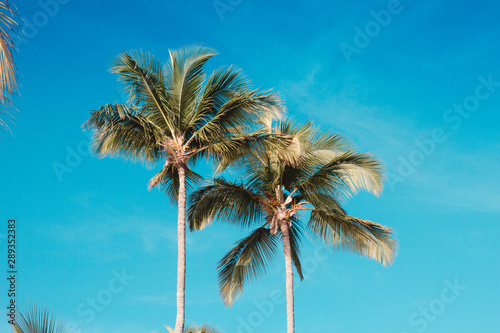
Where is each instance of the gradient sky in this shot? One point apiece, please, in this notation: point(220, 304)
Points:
point(414, 91)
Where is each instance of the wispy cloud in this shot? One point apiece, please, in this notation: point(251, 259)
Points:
point(374, 125)
point(392, 133)
point(162, 299)
point(472, 186)
point(148, 234)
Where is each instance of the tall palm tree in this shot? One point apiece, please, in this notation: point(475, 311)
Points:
point(8, 72)
point(176, 115)
point(277, 189)
point(37, 320)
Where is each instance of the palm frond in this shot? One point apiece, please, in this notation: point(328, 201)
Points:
point(186, 80)
point(37, 320)
point(261, 158)
point(229, 202)
point(8, 71)
point(202, 329)
point(248, 259)
point(358, 172)
point(295, 237)
point(121, 131)
point(143, 80)
point(343, 176)
point(219, 86)
point(363, 237)
point(237, 115)
point(235, 151)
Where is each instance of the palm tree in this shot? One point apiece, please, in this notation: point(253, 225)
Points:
point(37, 320)
point(8, 70)
point(176, 115)
point(277, 188)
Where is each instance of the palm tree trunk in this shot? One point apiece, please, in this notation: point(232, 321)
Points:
point(181, 252)
point(290, 321)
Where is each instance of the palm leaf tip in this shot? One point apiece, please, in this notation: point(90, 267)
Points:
point(360, 236)
point(379, 243)
point(8, 69)
point(387, 248)
point(247, 260)
point(295, 237)
point(119, 130)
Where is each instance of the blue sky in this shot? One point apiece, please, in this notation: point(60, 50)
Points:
point(415, 93)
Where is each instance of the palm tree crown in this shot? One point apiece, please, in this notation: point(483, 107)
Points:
point(314, 174)
point(176, 114)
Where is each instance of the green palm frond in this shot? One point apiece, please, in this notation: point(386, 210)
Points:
point(386, 249)
point(225, 200)
point(246, 153)
point(219, 87)
point(37, 320)
point(248, 259)
point(358, 172)
point(295, 237)
point(344, 175)
point(363, 237)
point(122, 131)
point(308, 140)
point(9, 27)
point(228, 150)
point(324, 161)
point(203, 329)
point(186, 80)
point(321, 200)
point(143, 80)
point(236, 115)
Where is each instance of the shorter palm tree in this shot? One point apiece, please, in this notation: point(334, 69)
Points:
point(277, 188)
